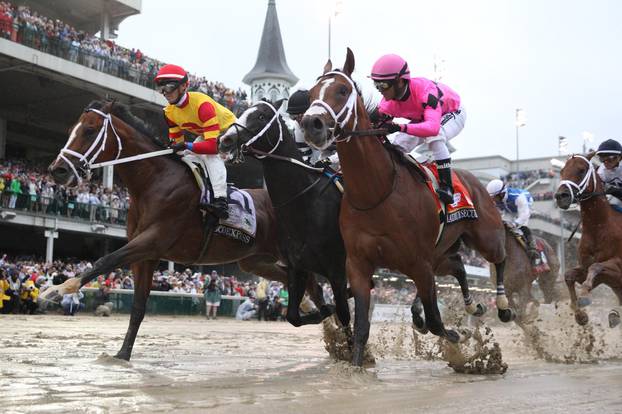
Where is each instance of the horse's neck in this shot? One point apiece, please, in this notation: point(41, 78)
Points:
point(282, 177)
point(367, 167)
point(140, 176)
point(596, 211)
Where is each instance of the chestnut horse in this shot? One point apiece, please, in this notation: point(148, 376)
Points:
point(600, 247)
point(388, 215)
point(164, 221)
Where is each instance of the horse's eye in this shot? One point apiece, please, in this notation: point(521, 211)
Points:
point(343, 90)
point(89, 132)
point(261, 117)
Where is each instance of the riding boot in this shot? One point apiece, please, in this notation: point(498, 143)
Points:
point(445, 189)
point(532, 250)
point(219, 207)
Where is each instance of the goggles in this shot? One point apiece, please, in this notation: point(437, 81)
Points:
point(383, 85)
point(167, 87)
point(608, 157)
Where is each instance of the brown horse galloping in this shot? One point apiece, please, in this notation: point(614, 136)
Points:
point(164, 221)
point(388, 218)
point(520, 275)
point(600, 248)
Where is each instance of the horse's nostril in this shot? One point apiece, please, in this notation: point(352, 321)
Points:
point(318, 124)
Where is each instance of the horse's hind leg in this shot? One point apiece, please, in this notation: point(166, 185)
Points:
point(453, 265)
point(143, 276)
point(426, 289)
point(505, 313)
point(614, 314)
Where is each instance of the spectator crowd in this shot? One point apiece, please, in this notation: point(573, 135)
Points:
point(24, 25)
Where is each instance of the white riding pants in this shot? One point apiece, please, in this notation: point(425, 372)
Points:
point(217, 172)
point(451, 125)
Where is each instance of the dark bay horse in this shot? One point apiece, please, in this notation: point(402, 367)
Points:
point(388, 216)
point(520, 275)
point(306, 204)
point(600, 248)
point(164, 221)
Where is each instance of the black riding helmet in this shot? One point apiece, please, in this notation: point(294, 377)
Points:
point(609, 147)
point(299, 102)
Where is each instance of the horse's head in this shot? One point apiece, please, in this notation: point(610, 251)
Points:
point(578, 181)
point(259, 128)
point(92, 139)
point(334, 106)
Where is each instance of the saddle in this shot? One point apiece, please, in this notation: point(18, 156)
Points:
point(241, 225)
point(541, 264)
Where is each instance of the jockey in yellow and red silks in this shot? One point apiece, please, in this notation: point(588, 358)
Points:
point(200, 115)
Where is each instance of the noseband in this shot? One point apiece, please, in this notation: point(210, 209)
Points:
point(93, 150)
point(578, 191)
point(349, 108)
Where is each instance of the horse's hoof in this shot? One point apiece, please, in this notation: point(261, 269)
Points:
point(419, 324)
point(614, 318)
point(122, 355)
point(465, 335)
point(481, 310)
point(452, 336)
point(584, 301)
point(581, 318)
point(506, 315)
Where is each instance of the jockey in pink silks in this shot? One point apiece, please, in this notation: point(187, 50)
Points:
point(433, 109)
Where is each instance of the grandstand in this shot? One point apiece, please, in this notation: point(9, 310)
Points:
point(51, 66)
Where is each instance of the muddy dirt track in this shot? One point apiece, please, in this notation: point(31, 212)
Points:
point(52, 363)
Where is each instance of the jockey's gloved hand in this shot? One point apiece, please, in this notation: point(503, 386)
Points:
point(614, 190)
point(393, 127)
point(324, 163)
point(177, 146)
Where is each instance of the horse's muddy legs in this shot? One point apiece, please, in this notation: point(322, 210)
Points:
point(143, 276)
point(359, 274)
point(571, 277)
point(505, 313)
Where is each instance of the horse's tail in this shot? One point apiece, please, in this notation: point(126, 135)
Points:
point(548, 280)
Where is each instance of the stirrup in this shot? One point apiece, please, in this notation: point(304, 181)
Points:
point(445, 195)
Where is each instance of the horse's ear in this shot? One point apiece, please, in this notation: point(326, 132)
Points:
point(348, 67)
point(590, 155)
point(277, 104)
point(327, 67)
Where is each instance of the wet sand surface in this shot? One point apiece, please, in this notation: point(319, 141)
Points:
point(52, 363)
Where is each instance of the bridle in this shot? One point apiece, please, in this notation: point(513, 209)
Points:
point(96, 148)
point(578, 191)
point(246, 147)
point(349, 108)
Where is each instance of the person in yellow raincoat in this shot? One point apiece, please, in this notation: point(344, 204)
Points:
point(29, 296)
point(4, 286)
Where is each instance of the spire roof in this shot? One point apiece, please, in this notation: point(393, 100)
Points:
point(271, 62)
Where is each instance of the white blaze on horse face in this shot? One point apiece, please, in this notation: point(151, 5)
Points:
point(73, 134)
point(325, 84)
point(245, 115)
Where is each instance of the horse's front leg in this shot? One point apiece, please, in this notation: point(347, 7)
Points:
point(571, 277)
point(359, 274)
point(136, 250)
point(505, 313)
point(296, 282)
point(609, 269)
point(143, 276)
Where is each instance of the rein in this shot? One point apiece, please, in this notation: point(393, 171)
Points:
point(101, 139)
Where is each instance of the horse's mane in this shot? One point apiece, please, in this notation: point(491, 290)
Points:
point(123, 112)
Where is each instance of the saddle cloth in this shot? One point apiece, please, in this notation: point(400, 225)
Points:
point(241, 224)
point(541, 264)
point(462, 208)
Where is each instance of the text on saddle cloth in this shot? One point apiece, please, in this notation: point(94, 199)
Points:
point(462, 208)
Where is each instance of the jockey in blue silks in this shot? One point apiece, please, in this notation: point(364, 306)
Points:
point(515, 203)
